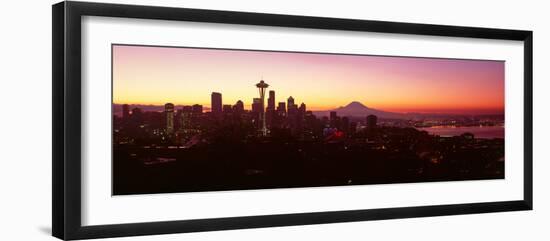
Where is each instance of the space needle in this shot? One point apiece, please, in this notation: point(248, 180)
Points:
point(261, 87)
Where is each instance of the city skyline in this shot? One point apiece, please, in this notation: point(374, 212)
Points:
point(222, 128)
point(284, 145)
point(159, 75)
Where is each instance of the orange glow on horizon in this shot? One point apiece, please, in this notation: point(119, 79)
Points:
point(185, 76)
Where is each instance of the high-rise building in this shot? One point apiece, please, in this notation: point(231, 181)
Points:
point(290, 101)
point(169, 113)
point(371, 121)
point(302, 109)
point(352, 127)
point(238, 107)
point(271, 100)
point(333, 119)
point(186, 113)
point(125, 112)
point(299, 119)
point(344, 125)
point(292, 116)
point(280, 115)
point(256, 105)
point(216, 103)
point(281, 108)
point(178, 120)
point(256, 110)
point(270, 110)
point(311, 124)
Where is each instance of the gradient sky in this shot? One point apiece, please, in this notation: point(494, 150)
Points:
point(184, 76)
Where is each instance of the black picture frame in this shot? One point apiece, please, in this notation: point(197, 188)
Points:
point(66, 76)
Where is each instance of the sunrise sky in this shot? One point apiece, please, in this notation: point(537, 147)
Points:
point(185, 76)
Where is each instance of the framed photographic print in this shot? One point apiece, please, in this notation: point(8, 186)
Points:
point(170, 120)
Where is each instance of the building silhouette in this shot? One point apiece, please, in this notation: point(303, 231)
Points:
point(227, 109)
point(256, 105)
point(371, 121)
point(302, 109)
point(216, 103)
point(271, 100)
point(197, 109)
point(292, 109)
point(333, 119)
point(293, 116)
point(125, 112)
point(185, 117)
point(270, 114)
point(137, 116)
point(255, 111)
point(169, 115)
point(290, 102)
point(344, 124)
point(238, 108)
point(281, 109)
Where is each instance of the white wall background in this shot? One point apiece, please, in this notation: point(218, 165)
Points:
point(25, 119)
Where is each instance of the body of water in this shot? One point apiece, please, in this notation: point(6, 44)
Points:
point(486, 132)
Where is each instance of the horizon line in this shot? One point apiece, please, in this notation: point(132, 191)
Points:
point(459, 111)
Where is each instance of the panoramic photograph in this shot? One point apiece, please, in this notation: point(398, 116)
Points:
point(202, 119)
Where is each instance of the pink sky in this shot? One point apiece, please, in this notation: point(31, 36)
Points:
point(157, 75)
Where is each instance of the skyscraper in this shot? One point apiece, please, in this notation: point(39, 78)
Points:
point(271, 101)
point(344, 125)
point(169, 113)
point(333, 119)
point(270, 110)
point(352, 127)
point(125, 112)
point(216, 103)
point(256, 110)
point(302, 109)
point(292, 116)
point(290, 101)
point(371, 121)
point(292, 108)
point(186, 114)
point(281, 108)
point(300, 117)
point(257, 105)
point(238, 108)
